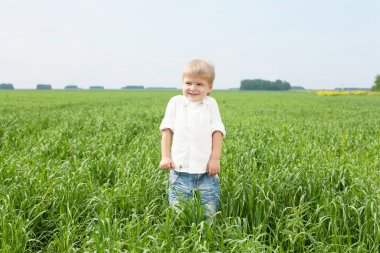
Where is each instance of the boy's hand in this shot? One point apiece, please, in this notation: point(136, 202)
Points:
point(167, 163)
point(213, 167)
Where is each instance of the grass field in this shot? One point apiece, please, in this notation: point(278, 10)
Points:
point(79, 173)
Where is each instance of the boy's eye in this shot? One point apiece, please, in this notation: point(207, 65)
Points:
point(200, 84)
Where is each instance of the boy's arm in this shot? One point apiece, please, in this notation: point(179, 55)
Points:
point(166, 159)
point(213, 166)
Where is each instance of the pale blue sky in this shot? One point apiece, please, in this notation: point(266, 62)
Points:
point(319, 44)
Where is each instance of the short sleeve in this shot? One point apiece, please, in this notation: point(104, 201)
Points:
point(168, 121)
point(216, 120)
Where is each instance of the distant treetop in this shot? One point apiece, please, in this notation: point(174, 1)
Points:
point(376, 86)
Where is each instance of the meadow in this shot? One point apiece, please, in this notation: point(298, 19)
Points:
point(79, 173)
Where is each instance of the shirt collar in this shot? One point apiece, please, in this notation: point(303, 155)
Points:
point(186, 101)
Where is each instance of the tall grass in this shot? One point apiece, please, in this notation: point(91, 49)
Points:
point(79, 173)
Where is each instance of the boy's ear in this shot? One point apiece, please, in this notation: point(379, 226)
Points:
point(208, 93)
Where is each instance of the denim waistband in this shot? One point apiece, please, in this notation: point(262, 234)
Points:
point(188, 174)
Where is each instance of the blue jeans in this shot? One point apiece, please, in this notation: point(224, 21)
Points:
point(183, 186)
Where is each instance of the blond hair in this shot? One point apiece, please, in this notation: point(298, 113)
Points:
point(200, 68)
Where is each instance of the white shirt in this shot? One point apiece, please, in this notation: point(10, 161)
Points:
point(192, 124)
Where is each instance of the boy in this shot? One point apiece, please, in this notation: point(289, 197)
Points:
point(192, 120)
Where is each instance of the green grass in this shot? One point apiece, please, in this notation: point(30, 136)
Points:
point(79, 173)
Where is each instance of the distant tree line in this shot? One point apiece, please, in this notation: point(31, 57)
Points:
point(71, 87)
point(161, 88)
point(350, 89)
point(297, 88)
point(259, 84)
point(40, 86)
point(134, 87)
point(96, 87)
point(6, 86)
point(43, 87)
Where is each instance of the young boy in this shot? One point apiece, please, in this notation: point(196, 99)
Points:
point(192, 121)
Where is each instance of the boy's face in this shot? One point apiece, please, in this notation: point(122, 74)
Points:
point(195, 88)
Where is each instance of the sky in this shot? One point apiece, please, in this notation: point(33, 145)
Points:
point(317, 44)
